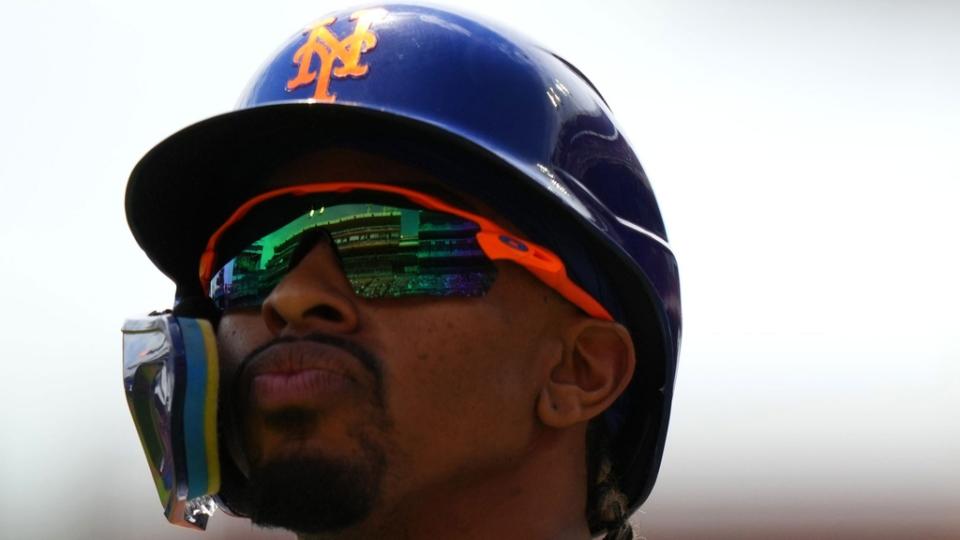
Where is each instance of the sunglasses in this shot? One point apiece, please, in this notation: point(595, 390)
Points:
point(391, 242)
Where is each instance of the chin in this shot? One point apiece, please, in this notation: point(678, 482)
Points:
point(308, 493)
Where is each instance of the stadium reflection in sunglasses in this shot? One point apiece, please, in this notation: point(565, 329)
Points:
point(391, 242)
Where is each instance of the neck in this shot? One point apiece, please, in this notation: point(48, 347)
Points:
point(541, 497)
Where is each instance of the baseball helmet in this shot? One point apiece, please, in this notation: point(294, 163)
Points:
point(525, 132)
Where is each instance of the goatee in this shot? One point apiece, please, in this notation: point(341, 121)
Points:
point(313, 494)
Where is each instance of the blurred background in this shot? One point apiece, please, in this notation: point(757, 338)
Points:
point(805, 155)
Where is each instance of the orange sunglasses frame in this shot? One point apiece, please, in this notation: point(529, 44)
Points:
point(496, 243)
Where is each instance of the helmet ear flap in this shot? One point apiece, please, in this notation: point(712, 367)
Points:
point(198, 307)
point(232, 496)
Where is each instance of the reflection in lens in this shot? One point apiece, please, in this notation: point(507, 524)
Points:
point(385, 252)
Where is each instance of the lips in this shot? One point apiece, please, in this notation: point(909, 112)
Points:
point(299, 374)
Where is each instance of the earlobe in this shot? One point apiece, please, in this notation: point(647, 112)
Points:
point(596, 366)
point(558, 405)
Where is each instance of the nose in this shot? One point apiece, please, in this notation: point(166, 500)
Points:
point(314, 296)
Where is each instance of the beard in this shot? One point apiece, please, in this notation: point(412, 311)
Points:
point(315, 494)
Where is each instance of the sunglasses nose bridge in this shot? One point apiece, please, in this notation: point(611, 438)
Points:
point(314, 296)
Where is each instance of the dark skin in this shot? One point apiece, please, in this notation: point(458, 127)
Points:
point(482, 409)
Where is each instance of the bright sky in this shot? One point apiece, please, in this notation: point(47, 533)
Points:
point(805, 157)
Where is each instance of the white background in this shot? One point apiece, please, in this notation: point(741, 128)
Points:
point(805, 155)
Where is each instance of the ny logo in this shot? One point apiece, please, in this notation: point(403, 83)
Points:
point(325, 45)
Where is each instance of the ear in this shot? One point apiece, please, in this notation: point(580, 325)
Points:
point(596, 366)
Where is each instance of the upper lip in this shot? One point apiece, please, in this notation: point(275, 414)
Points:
point(298, 356)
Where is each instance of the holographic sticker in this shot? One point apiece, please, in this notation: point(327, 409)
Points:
point(324, 44)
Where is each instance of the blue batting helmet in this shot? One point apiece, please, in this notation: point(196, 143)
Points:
point(444, 90)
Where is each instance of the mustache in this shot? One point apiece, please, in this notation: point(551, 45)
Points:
point(371, 362)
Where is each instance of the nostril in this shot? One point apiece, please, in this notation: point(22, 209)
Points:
point(325, 312)
point(275, 321)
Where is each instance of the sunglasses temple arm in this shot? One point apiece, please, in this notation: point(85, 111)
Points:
point(543, 264)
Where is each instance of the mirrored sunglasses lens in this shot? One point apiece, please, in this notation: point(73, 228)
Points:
point(384, 251)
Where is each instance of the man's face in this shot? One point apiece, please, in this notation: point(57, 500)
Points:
point(352, 407)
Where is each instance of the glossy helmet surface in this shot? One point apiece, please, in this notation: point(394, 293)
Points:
point(525, 131)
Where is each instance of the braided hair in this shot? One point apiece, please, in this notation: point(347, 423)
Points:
point(606, 503)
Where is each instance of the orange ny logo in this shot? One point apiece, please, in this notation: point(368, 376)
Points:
point(325, 45)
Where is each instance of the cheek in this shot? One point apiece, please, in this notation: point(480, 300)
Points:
point(461, 387)
point(237, 335)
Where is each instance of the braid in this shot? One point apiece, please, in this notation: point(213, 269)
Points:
point(611, 503)
point(606, 504)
